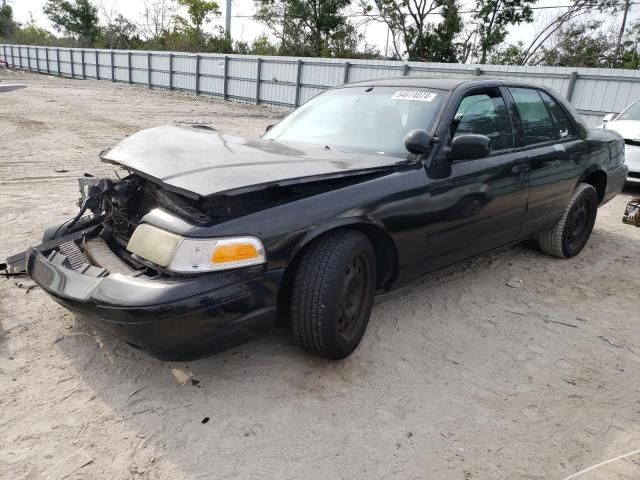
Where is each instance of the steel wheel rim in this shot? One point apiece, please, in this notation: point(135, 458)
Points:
point(578, 223)
point(352, 301)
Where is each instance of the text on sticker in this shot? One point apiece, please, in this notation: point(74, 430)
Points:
point(416, 95)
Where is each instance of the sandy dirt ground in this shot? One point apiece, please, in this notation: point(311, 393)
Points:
point(459, 376)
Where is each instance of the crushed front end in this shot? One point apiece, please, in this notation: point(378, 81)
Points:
point(86, 265)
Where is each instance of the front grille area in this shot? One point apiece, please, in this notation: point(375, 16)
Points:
point(73, 253)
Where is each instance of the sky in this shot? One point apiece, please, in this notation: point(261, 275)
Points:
point(247, 29)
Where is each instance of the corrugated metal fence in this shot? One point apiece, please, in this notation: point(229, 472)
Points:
point(290, 81)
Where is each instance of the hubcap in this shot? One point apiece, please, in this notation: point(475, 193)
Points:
point(352, 297)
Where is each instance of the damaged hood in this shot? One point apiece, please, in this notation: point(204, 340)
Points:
point(203, 162)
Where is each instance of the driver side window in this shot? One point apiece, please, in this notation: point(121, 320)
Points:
point(484, 114)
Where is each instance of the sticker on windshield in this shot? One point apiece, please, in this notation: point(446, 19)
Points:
point(415, 95)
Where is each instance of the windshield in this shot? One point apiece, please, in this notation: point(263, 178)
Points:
point(631, 113)
point(364, 119)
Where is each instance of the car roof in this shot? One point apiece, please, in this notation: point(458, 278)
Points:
point(442, 83)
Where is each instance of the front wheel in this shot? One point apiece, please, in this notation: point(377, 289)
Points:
point(332, 294)
point(569, 236)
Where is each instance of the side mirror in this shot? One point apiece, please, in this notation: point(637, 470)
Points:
point(470, 147)
point(418, 141)
point(269, 127)
point(608, 117)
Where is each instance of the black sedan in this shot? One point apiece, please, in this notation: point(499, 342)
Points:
point(212, 237)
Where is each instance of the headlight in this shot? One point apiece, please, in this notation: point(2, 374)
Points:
point(189, 255)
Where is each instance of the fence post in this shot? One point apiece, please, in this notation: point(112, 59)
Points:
point(58, 62)
point(46, 57)
point(477, 72)
point(129, 66)
point(113, 67)
point(225, 87)
point(298, 84)
point(197, 74)
point(20, 56)
point(97, 65)
point(171, 71)
point(13, 57)
point(573, 78)
point(258, 79)
point(29, 58)
point(84, 76)
point(73, 68)
point(149, 70)
point(405, 69)
point(347, 67)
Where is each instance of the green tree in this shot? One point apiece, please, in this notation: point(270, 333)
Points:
point(157, 22)
point(412, 32)
point(262, 46)
point(7, 24)
point(309, 27)
point(576, 9)
point(188, 34)
point(629, 55)
point(512, 54)
point(31, 34)
point(119, 33)
point(578, 44)
point(76, 18)
point(199, 12)
point(494, 17)
point(441, 43)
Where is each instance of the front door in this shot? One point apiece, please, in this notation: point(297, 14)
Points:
point(476, 205)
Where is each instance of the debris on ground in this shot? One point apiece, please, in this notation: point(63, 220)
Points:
point(632, 213)
point(609, 341)
point(515, 282)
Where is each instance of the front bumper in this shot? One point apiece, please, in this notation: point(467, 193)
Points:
point(632, 160)
point(176, 319)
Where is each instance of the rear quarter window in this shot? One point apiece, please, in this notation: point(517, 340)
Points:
point(564, 128)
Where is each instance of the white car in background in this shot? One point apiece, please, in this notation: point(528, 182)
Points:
point(627, 124)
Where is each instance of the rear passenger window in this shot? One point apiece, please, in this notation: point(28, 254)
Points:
point(536, 121)
point(563, 125)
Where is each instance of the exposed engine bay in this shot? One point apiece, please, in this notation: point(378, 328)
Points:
point(112, 208)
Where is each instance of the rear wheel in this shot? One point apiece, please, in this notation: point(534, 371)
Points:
point(569, 236)
point(332, 294)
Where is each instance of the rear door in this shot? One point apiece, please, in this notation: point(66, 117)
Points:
point(554, 153)
point(476, 205)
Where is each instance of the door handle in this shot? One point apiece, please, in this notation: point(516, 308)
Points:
point(520, 170)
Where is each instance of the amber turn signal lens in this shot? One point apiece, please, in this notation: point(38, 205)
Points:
point(234, 253)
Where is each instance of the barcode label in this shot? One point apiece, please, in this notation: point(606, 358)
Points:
point(415, 95)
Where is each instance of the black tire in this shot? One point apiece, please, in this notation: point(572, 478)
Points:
point(569, 236)
point(332, 293)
